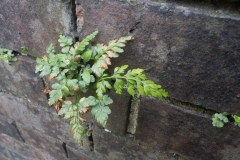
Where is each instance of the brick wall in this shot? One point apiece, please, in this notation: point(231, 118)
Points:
point(190, 48)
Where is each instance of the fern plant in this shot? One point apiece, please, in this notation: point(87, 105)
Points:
point(236, 120)
point(7, 55)
point(219, 119)
point(81, 66)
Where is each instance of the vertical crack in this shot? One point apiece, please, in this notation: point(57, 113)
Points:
point(18, 132)
point(90, 138)
point(46, 89)
point(74, 16)
point(64, 145)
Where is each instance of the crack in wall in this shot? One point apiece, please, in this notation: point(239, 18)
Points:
point(191, 106)
point(135, 105)
point(77, 18)
point(18, 132)
point(46, 87)
point(90, 137)
point(64, 145)
point(74, 16)
point(135, 27)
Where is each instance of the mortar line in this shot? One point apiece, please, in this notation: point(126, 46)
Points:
point(191, 106)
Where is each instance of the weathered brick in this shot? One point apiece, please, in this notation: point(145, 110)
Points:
point(108, 146)
point(19, 79)
point(118, 119)
point(8, 127)
point(14, 149)
point(46, 144)
point(172, 128)
point(8, 154)
point(80, 154)
point(192, 53)
point(34, 25)
point(36, 117)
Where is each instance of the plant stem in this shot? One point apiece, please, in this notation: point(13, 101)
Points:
point(24, 49)
point(120, 77)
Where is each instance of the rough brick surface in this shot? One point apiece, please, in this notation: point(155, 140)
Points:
point(80, 154)
point(169, 127)
point(14, 149)
point(118, 119)
point(8, 127)
point(31, 24)
point(193, 54)
point(20, 79)
point(7, 154)
point(111, 147)
point(36, 117)
point(42, 142)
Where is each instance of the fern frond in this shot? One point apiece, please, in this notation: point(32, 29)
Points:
point(82, 45)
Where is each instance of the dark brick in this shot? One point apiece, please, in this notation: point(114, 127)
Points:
point(172, 128)
point(19, 79)
point(193, 54)
point(119, 113)
point(14, 149)
point(80, 154)
point(111, 147)
point(46, 144)
point(34, 25)
point(118, 119)
point(8, 127)
point(9, 154)
point(37, 118)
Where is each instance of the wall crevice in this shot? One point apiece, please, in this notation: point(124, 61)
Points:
point(64, 145)
point(74, 17)
point(191, 106)
point(18, 132)
point(135, 27)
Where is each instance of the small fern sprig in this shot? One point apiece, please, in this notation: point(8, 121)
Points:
point(236, 120)
point(82, 66)
point(7, 55)
point(219, 119)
